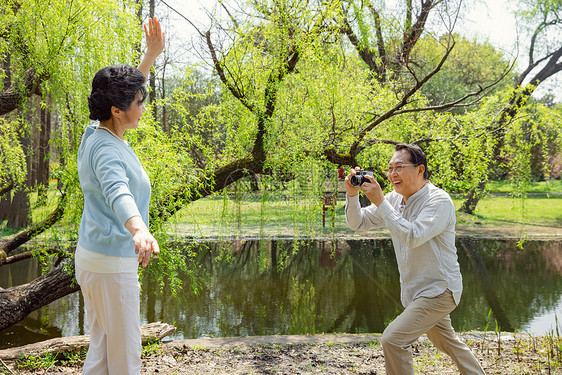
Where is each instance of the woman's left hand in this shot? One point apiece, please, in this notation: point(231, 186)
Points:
point(145, 243)
point(145, 246)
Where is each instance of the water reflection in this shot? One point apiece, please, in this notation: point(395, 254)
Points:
point(518, 284)
point(296, 287)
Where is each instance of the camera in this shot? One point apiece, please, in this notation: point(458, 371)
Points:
point(360, 178)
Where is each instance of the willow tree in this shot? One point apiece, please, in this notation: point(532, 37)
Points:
point(303, 85)
point(331, 82)
point(266, 50)
point(356, 98)
point(392, 44)
point(541, 23)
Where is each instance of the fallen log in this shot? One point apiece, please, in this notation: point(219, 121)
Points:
point(60, 345)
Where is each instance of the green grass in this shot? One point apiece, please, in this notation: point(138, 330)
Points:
point(39, 210)
point(219, 217)
point(278, 216)
point(502, 206)
point(502, 210)
point(283, 215)
point(49, 360)
point(549, 186)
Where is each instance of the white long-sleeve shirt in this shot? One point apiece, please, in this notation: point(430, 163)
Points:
point(423, 235)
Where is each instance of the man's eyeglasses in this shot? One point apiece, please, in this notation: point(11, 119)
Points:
point(400, 168)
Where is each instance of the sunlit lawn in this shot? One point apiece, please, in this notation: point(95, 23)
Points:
point(541, 207)
point(277, 214)
point(223, 217)
point(549, 186)
point(505, 210)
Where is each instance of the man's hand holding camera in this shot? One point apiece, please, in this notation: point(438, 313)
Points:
point(357, 180)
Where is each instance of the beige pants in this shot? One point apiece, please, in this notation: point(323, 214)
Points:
point(112, 309)
point(431, 316)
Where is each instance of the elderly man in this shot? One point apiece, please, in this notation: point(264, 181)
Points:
point(421, 220)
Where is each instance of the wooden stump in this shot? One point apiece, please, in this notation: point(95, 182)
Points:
point(149, 332)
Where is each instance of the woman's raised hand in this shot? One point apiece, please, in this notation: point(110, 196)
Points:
point(155, 38)
point(155, 41)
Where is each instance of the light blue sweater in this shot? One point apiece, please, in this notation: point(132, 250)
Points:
point(115, 188)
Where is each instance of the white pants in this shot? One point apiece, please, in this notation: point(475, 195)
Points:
point(112, 303)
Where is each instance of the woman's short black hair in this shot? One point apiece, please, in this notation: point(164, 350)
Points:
point(417, 156)
point(115, 85)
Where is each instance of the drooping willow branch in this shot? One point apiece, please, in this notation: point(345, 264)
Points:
point(242, 167)
point(221, 73)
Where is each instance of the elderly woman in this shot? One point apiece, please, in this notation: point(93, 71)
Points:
point(114, 236)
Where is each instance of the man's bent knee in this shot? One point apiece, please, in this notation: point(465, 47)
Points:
point(389, 337)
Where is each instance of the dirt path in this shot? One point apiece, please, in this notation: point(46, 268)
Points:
point(335, 354)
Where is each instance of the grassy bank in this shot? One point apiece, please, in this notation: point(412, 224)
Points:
point(290, 214)
point(279, 215)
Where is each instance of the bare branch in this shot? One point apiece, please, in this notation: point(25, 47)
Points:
point(234, 21)
point(552, 67)
point(460, 137)
point(184, 17)
point(411, 35)
point(220, 71)
point(32, 253)
point(371, 142)
point(532, 66)
point(479, 94)
point(405, 100)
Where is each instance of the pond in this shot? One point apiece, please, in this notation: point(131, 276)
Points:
point(269, 287)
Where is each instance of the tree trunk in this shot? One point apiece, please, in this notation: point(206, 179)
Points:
point(58, 346)
point(6, 196)
point(42, 170)
point(138, 46)
point(163, 97)
point(19, 301)
point(13, 97)
point(19, 213)
point(5, 205)
point(472, 199)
